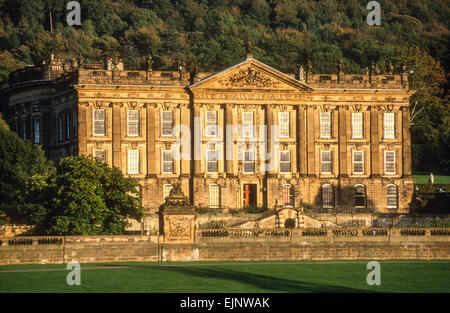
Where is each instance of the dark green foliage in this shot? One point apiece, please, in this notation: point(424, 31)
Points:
point(91, 198)
point(25, 177)
point(253, 209)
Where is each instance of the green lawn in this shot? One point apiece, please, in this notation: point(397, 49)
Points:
point(438, 179)
point(229, 277)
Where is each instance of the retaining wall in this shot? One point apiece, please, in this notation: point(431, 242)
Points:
point(234, 244)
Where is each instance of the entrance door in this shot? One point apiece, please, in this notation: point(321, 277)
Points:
point(250, 194)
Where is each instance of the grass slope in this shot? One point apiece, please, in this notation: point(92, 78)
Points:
point(229, 277)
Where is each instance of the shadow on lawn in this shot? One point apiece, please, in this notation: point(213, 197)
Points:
point(267, 283)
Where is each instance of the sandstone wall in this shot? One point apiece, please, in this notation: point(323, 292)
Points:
point(237, 244)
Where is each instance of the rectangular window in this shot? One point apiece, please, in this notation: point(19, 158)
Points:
point(100, 154)
point(389, 125)
point(358, 162)
point(24, 129)
point(326, 162)
point(247, 127)
point(283, 124)
point(166, 123)
point(133, 122)
point(211, 159)
point(211, 123)
point(166, 191)
point(389, 162)
point(357, 125)
point(60, 127)
point(287, 195)
point(67, 126)
point(214, 196)
point(99, 122)
point(285, 161)
point(167, 161)
point(37, 130)
point(133, 161)
point(249, 161)
point(325, 125)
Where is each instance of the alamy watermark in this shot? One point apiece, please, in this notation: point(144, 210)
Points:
point(73, 278)
point(74, 16)
point(374, 276)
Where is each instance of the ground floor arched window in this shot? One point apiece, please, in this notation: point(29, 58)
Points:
point(327, 196)
point(360, 196)
point(214, 196)
point(392, 197)
point(287, 195)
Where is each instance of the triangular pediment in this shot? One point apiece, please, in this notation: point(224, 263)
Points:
point(250, 74)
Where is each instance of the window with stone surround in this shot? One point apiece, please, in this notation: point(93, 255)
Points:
point(249, 161)
point(214, 196)
point(287, 195)
point(211, 161)
point(167, 161)
point(285, 161)
point(133, 161)
point(357, 125)
point(389, 125)
point(326, 162)
point(360, 196)
point(392, 196)
point(37, 130)
point(133, 122)
point(67, 125)
point(247, 124)
point(389, 162)
point(327, 196)
point(99, 122)
point(358, 162)
point(325, 125)
point(211, 124)
point(166, 191)
point(100, 154)
point(283, 124)
point(166, 123)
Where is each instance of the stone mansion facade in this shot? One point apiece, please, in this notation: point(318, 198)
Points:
point(248, 135)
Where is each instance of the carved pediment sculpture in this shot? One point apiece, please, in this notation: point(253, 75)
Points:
point(249, 78)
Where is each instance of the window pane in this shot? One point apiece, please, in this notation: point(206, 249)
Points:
point(389, 160)
point(285, 161)
point(392, 197)
point(327, 195)
point(133, 161)
point(325, 125)
point(211, 123)
point(99, 122)
point(166, 191)
point(357, 125)
point(360, 196)
point(133, 122)
point(389, 125)
point(283, 124)
point(37, 131)
point(287, 195)
point(166, 123)
point(100, 154)
point(212, 164)
point(326, 162)
point(214, 196)
point(167, 161)
point(249, 161)
point(358, 161)
point(247, 120)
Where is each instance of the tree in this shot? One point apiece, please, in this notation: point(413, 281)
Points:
point(25, 179)
point(91, 198)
